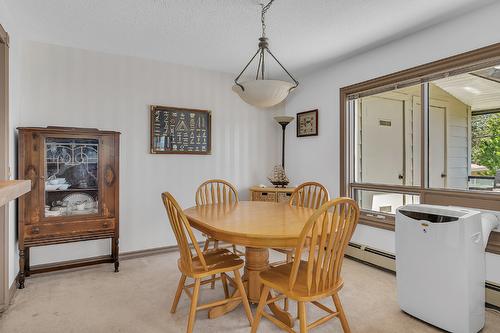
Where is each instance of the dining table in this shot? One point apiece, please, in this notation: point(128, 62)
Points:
point(258, 226)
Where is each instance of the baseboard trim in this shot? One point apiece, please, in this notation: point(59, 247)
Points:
point(11, 293)
point(372, 256)
point(493, 294)
point(387, 261)
point(74, 264)
point(149, 252)
point(154, 251)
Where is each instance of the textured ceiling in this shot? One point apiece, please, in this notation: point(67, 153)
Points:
point(222, 34)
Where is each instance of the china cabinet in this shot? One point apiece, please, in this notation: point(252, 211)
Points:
point(74, 175)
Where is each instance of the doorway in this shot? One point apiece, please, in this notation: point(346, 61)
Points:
point(382, 126)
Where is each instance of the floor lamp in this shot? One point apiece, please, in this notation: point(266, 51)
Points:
point(283, 121)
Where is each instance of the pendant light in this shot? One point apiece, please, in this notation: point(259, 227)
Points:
point(263, 92)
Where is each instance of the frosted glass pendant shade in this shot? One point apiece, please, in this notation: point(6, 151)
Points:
point(264, 93)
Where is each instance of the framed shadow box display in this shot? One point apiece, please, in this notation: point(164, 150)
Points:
point(180, 131)
point(307, 123)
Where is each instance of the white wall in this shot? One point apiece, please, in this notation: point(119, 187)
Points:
point(317, 158)
point(72, 87)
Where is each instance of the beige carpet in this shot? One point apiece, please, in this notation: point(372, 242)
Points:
point(138, 300)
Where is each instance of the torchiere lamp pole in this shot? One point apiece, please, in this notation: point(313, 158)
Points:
point(283, 121)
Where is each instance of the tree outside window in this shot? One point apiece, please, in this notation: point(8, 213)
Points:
point(486, 142)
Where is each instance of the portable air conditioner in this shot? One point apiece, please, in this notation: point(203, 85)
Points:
point(440, 265)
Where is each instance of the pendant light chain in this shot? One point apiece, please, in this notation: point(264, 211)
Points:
point(261, 52)
point(262, 16)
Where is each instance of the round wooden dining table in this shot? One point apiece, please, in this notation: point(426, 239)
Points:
point(257, 226)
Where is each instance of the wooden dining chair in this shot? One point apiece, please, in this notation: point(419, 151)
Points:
point(202, 264)
point(326, 235)
point(216, 191)
point(309, 195)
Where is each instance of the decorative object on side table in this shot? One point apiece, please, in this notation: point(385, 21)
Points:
point(180, 131)
point(307, 123)
point(278, 177)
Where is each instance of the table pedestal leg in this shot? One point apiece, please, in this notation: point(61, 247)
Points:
point(257, 260)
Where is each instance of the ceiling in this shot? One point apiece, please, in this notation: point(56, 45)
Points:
point(477, 92)
point(222, 34)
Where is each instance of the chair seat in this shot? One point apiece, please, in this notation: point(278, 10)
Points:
point(278, 278)
point(218, 261)
point(284, 251)
point(289, 256)
point(226, 246)
point(208, 237)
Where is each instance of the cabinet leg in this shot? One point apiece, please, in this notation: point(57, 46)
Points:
point(27, 261)
point(21, 275)
point(114, 253)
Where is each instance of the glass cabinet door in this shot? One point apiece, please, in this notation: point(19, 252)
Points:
point(71, 183)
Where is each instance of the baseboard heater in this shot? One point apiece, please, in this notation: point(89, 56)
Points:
point(387, 261)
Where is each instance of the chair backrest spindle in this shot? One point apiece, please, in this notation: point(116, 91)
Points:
point(310, 195)
point(215, 191)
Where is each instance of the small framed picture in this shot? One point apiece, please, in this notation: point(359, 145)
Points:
point(307, 123)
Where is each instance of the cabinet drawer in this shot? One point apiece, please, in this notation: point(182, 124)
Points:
point(67, 229)
point(264, 196)
point(284, 197)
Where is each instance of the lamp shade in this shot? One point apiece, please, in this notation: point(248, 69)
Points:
point(264, 93)
point(284, 119)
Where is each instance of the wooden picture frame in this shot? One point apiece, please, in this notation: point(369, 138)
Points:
point(307, 123)
point(180, 131)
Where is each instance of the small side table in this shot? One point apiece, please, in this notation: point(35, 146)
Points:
point(273, 194)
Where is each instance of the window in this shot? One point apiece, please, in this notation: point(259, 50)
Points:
point(383, 202)
point(386, 148)
point(472, 110)
point(430, 134)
